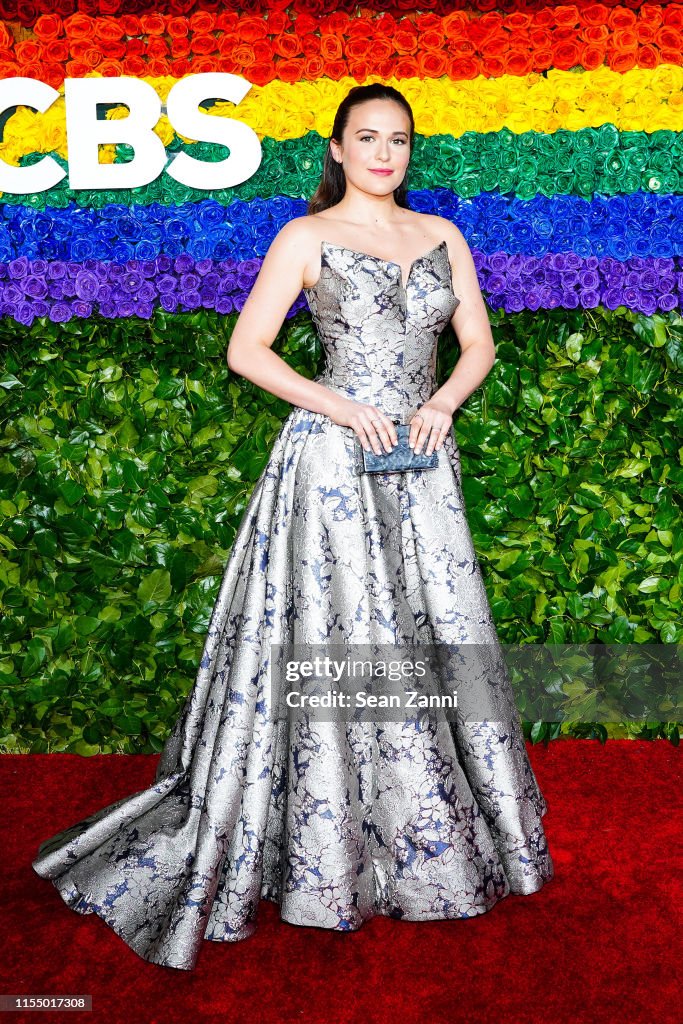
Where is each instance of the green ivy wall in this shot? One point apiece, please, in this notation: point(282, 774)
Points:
point(129, 453)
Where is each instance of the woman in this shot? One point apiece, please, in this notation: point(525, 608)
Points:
point(339, 817)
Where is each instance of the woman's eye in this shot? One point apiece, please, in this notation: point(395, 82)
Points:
point(371, 137)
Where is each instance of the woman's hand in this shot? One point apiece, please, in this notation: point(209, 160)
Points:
point(368, 422)
point(430, 424)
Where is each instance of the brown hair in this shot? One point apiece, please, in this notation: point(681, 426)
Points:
point(333, 182)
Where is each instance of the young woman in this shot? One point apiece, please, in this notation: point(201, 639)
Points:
point(338, 817)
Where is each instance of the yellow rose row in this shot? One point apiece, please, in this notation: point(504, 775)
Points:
point(638, 100)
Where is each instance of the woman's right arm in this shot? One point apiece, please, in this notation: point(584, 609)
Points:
point(277, 286)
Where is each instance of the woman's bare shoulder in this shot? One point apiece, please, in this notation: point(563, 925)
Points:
point(300, 235)
point(298, 229)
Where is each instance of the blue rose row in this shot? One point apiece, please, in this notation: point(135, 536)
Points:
point(621, 226)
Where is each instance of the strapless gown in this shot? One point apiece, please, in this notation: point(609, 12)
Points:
point(336, 821)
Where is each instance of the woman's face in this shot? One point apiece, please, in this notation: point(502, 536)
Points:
point(376, 137)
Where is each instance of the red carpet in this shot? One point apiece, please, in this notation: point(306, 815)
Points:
point(600, 942)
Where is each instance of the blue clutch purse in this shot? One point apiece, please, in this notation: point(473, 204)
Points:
point(401, 458)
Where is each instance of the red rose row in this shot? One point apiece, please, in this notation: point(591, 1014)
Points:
point(459, 45)
point(26, 12)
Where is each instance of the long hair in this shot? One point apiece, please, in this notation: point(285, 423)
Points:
point(333, 182)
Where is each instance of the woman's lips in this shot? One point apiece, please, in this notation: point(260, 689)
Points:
point(380, 171)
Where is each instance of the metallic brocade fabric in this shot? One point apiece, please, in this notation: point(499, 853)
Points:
point(336, 821)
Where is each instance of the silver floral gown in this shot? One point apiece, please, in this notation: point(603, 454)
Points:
point(336, 821)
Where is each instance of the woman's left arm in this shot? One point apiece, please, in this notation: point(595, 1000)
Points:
point(470, 322)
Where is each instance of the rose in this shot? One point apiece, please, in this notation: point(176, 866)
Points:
point(153, 234)
point(210, 214)
point(211, 282)
point(144, 309)
point(201, 248)
point(18, 268)
point(203, 45)
point(56, 270)
point(135, 47)
point(183, 264)
point(157, 47)
point(134, 66)
point(207, 295)
point(121, 251)
point(189, 282)
point(87, 285)
point(109, 30)
point(79, 26)
point(145, 250)
point(229, 21)
point(146, 292)
point(166, 284)
point(60, 312)
point(130, 25)
point(81, 248)
point(191, 299)
point(131, 282)
point(175, 228)
point(56, 50)
point(202, 22)
point(35, 286)
point(111, 68)
point(23, 313)
point(48, 27)
point(204, 267)
point(11, 293)
point(177, 28)
point(153, 24)
point(148, 268)
point(27, 51)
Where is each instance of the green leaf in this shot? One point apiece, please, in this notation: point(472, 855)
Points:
point(651, 584)
point(156, 586)
point(71, 491)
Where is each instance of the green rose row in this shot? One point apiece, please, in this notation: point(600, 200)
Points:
point(582, 162)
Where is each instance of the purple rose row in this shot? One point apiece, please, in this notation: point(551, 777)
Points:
point(60, 291)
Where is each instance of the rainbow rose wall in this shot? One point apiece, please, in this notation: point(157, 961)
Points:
point(551, 135)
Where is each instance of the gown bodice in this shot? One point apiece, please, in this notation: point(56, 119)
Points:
point(380, 335)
